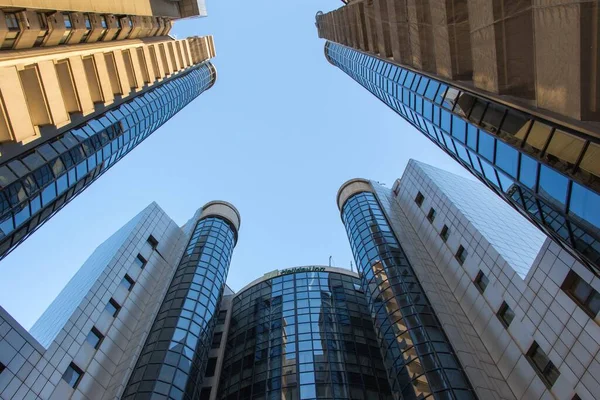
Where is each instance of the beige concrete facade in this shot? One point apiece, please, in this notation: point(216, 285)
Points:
point(540, 54)
point(46, 87)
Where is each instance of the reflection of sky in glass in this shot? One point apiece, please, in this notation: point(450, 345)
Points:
point(517, 240)
point(60, 310)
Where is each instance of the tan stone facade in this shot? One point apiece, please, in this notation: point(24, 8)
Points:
point(540, 54)
point(42, 87)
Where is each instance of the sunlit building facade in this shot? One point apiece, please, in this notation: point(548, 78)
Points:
point(493, 95)
point(499, 310)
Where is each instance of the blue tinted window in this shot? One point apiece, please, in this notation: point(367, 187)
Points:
point(506, 158)
point(432, 90)
point(528, 171)
point(440, 95)
point(486, 145)
point(585, 204)
point(446, 121)
point(490, 173)
point(553, 185)
point(458, 128)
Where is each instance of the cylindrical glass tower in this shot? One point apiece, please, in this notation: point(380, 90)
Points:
point(173, 359)
point(304, 334)
point(418, 356)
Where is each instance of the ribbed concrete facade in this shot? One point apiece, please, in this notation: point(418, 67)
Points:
point(538, 54)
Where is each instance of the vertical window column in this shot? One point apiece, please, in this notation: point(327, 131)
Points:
point(418, 355)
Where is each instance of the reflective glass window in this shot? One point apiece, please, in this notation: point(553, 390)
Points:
point(72, 375)
point(528, 171)
point(553, 186)
point(486, 145)
point(585, 204)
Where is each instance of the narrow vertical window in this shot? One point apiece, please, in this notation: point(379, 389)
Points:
point(113, 307)
point(419, 199)
point(73, 375)
point(221, 318)
point(94, 338)
point(445, 233)
point(216, 341)
point(205, 393)
point(2, 368)
point(210, 367)
point(127, 282)
point(481, 282)
point(461, 255)
point(505, 314)
point(140, 261)
point(431, 215)
point(542, 365)
point(152, 241)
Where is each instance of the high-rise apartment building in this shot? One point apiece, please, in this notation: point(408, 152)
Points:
point(509, 89)
point(448, 303)
point(79, 89)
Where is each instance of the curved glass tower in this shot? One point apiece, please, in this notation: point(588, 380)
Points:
point(303, 334)
point(38, 183)
point(174, 357)
point(546, 170)
point(418, 356)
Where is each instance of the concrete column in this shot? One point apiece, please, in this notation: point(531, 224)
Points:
point(397, 14)
point(371, 27)
point(421, 35)
point(382, 22)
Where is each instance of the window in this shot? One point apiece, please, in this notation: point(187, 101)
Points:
point(576, 397)
point(221, 318)
point(67, 19)
point(542, 365)
point(461, 255)
point(505, 314)
point(205, 393)
point(216, 341)
point(73, 375)
point(127, 282)
point(481, 282)
point(140, 261)
point(11, 21)
point(431, 215)
point(419, 199)
point(153, 242)
point(113, 307)
point(210, 367)
point(445, 233)
point(2, 368)
point(94, 338)
point(582, 293)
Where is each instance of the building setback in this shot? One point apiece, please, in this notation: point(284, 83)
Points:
point(79, 89)
point(508, 89)
point(446, 303)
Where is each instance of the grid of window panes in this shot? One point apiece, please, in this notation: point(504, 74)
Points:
point(174, 357)
point(417, 353)
point(40, 182)
point(306, 335)
point(548, 172)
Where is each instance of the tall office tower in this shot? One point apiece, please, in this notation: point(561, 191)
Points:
point(143, 305)
point(68, 113)
point(508, 89)
point(467, 291)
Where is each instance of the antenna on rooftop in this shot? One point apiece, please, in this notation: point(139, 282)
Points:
point(351, 267)
point(330, 261)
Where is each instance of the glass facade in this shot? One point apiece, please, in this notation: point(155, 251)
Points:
point(40, 182)
point(304, 335)
point(417, 353)
point(174, 357)
point(548, 172)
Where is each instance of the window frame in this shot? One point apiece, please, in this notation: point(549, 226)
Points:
point(541, 372)
point(129, 280)
point(152, 241)
point(212, 344)
point(572, 280)
point(461, 254)
point(501, 314)
point(479, 282)
point(76, 369)
point(142, 259)
point(445, 233)
point(96, 333)
point(431, 215)
point(116, 305)
point(419, 199)
point(214, 371)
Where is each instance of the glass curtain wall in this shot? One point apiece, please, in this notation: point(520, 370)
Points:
point(173, 360)
point(305, 335)
point(549, 173)
point(417, 353)
point(39, 183)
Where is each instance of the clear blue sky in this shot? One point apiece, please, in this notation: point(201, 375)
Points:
point(277, 135)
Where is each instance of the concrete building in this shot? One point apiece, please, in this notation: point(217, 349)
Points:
point(529, 331)
point(508, 89)
point(456, 296)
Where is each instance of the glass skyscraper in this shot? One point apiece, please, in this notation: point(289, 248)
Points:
point(527, 161)
point(545, 164)
point(38, 183)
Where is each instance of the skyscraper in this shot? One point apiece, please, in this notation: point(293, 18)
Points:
point(447, 303)
point(507, 89)
point(85, 93)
